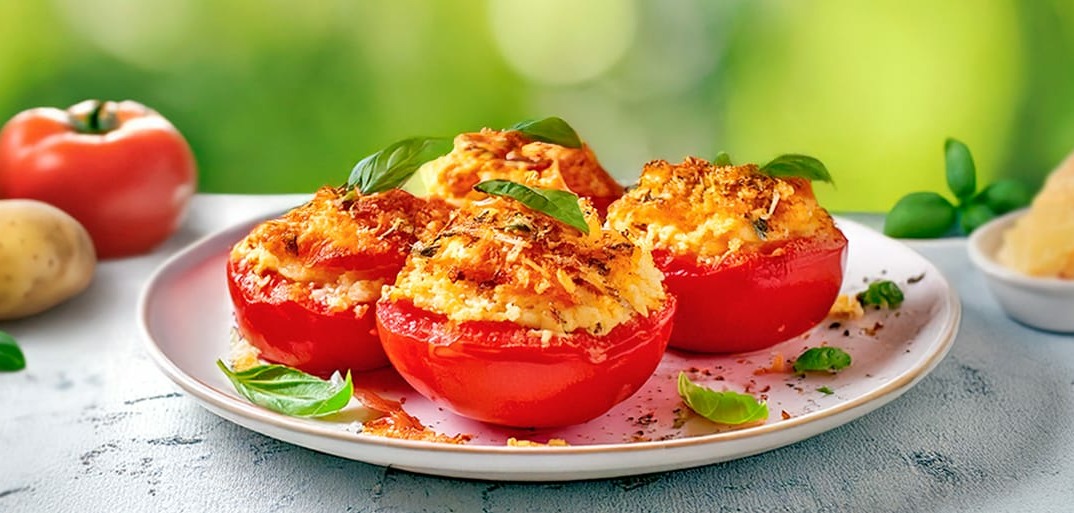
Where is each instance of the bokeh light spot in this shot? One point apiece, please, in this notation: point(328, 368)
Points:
point(875, 101)
point(562, 42)
point(149, 35)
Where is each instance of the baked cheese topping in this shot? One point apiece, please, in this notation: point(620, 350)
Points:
point(695, 208)
point(337, 248)
point(511, 155)
point(1041, 242)
point(499, 261)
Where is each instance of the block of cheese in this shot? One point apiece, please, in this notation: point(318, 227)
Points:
point(1041, 243)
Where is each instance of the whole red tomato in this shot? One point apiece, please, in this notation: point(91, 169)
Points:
point(120, 169)
point(754, 298)
point(499, 372)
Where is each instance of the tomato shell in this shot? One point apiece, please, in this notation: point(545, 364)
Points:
point(501, 373)
point(128, 186)
point(601, 203)
point(300, 332)
point(751, 300)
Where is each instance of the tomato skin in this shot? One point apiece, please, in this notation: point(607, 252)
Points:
point(498, 372)
point(601, 203)
point(751, 300)
point(297, 331)
point(128, 186)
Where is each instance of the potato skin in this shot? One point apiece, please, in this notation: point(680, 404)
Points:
point(46, 257)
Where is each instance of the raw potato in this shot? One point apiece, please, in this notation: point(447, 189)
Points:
point(45, 257)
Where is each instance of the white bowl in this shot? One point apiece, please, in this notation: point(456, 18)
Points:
point(1042, 303)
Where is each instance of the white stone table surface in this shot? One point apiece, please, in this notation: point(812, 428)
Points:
point(91, 425)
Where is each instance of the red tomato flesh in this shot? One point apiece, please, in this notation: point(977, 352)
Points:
point(501, 373)
point(299, 332)
point(751, 300)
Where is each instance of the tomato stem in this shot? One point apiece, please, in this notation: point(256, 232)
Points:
point(100, 118)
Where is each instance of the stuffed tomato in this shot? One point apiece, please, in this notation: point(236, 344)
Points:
point(752, 259)
point(514, 155)
point(304, 286)
point(511, 317)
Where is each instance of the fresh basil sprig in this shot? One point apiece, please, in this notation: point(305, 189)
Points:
point(883, 294)
point(802, 166)
point(822, 359)
point(550, 130)
point(728, 407)
point(11, 357)
point(391, 167)
point(920, 215)
point(923, 215)
point(291, 391)
point(722, 159)
point(560, 205)
point(961, 171)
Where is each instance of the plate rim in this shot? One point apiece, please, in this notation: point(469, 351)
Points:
point(211, 244)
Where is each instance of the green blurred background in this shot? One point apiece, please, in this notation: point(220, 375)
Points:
point(282, 96)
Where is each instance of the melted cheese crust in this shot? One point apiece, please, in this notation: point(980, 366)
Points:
point(319, 247)
point(499, 261)
point(695, 208)
point(511, 155)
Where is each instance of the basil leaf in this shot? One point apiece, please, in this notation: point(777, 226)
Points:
point(391, 167)
point(291, 391)
point(802, 166)
point(550, 130)
point(11, 357)
point(961, 172)
point(816, 359)
point(973, 215)
point(730, 408)
point(722, 159)
point(561, 205)
point(920, 215)
point(825, 390)
point(882, 293)
point(1003, 196)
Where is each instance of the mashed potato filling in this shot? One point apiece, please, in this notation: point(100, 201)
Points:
point(511, 155)
point(696, 208)
point(499, 261)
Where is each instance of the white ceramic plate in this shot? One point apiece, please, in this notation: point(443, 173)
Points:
point(186, 317)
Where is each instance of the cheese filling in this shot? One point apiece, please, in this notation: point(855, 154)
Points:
point(498, 261)
point(510, 155)
point(318, 248)
point(695, 208)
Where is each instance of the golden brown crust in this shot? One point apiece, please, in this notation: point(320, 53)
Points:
point(696, 208)
point(846, 307)
point(400, 424)
point(552, 442)
point(497, 260)
point(511, 155)
point(335, 226)
point(339, 249)
point(394, 422)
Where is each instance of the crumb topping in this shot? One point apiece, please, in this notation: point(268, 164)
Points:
point(339, 249)
point(499, 261)
point(696, 208)
point(511, 155)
